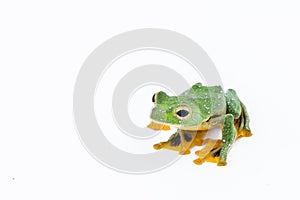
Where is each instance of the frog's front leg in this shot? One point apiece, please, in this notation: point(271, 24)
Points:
point(228, 138)
point(209, 153)
point(216, 150)
point(182, 141)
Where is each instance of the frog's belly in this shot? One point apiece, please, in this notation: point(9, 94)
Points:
point(203, 126)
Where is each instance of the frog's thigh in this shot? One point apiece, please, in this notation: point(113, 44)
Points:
point(228, 138)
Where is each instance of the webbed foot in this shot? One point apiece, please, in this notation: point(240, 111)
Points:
point(182, 141)
point(210, 153)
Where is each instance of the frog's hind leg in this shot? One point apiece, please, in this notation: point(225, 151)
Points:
point(235, 125)
point(242, 123)
point(182, 141)
point(239, 112)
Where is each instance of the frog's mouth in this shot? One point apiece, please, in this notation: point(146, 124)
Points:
point(158, 126)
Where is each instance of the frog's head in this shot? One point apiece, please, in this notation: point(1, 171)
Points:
point(173, 110)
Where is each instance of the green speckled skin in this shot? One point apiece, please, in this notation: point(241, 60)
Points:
point(204, 102)
point(207, 107)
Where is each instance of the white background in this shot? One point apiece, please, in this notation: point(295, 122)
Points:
point(255, 46)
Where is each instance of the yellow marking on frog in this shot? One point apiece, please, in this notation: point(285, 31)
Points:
point(158, 126)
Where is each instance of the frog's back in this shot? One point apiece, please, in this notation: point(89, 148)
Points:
point(211, 99)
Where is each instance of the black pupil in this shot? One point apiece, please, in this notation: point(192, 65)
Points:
point(153, 98)
point(182, 113)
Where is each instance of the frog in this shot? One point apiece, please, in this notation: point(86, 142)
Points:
point(194, 112)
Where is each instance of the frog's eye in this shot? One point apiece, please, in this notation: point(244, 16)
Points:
point(154, 98)
point(183, 112)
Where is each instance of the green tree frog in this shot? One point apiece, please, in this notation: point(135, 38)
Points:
point(193, 113)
